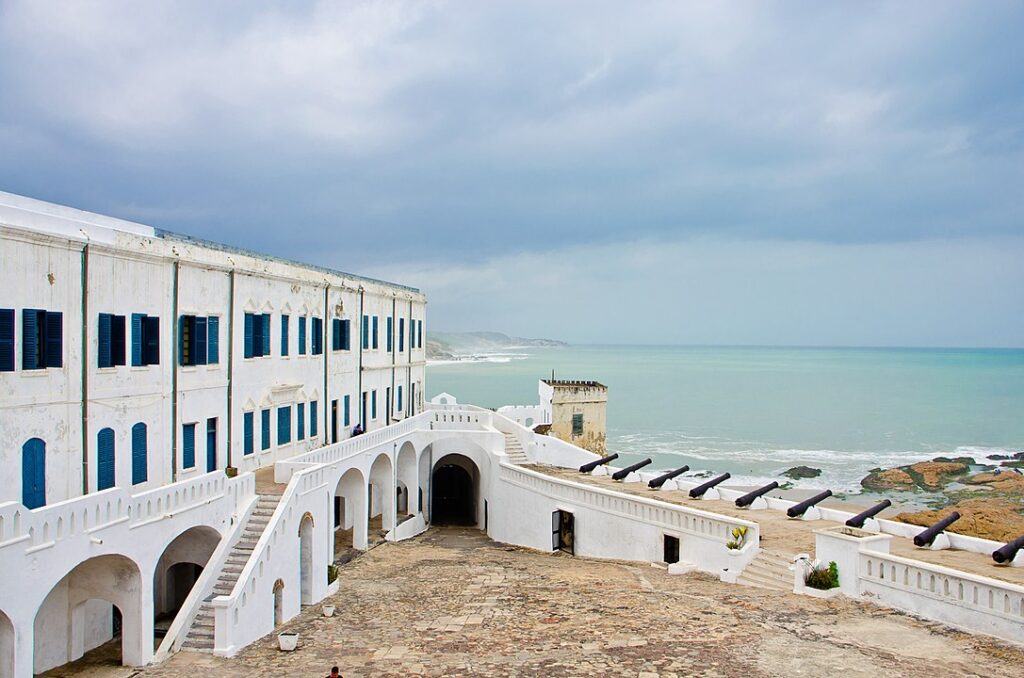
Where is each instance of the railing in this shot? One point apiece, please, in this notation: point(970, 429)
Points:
point(88, 514)
point(672, 516)
point(361, 443)
point(959, 598)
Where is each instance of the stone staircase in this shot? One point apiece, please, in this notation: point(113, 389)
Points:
point(514, 450)
point(768, 570)
point(200, 635)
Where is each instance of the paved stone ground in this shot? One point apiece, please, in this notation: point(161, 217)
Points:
point(453, 603)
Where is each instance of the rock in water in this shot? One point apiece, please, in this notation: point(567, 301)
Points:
point(798, 472)
point(996, 519)
point(887, 479)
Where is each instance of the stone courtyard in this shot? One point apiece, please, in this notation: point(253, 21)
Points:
point(453, 603)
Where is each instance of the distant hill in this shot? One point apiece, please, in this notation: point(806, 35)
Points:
point(451, 345)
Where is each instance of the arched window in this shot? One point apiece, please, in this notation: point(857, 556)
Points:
point(139, 461)
point(105, 459)
point(33, 473)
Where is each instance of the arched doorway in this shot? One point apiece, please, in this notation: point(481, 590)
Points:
point(349, 514)
point(6, 645)
point(408, 481)
point(278, 603)
point(306, 560)
point(454, 491)
point(177, 571)
point(100, 600)
point(382, 496)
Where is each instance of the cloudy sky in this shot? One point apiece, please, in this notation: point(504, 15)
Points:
point(650, 172)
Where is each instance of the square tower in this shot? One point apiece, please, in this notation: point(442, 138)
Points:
point(577, 411)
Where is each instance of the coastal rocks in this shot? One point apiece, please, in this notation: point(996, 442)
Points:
point(800, 472)
point(1003, 482)
point(996, 519)
point(926, 475)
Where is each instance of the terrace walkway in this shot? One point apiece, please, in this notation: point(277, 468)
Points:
point(789, 536)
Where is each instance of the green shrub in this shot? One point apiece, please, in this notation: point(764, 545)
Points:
point(823, 578)
point(332, 573)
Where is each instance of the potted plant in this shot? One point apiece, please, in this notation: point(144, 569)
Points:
point(287, 641)
point(328, 610)
point(739, 538)
point(822, 581)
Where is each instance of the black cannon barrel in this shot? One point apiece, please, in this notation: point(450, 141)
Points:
point(619, 475)
point(927, 535)
point(660, 480)
point(701, 489)
point(859, 519)
point(1007, 551)
point(801, 508)
point(749, 497)
point(591, 465)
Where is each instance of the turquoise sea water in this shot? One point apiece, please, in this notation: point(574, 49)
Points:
point(757, 411)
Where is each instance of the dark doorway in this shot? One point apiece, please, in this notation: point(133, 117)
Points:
point(671, 549)
point(452, 498)
point(563, 532)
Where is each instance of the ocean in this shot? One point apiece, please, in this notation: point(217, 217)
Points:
point(755, 412)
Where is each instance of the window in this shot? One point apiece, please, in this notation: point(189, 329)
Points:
point(211, 444)
point(312, 419)
point(192, 340)
point(401, 334)
point(419, 334)
point(188, 444)
point(399, 407)
point(348, 411)
point(42, 339)
point(33, 473)
point(302, 335)
point(373, 404)
point(140, 461)
point(105, 459)
point(375, 333)
point(6, 339)
point(284, 335)
point(111, 340)
point(212, 340)
point(284, 425)
point(265, 430)
point(317, 340)
point(257, 335)
point(247, 426)
point(366, 332)
point(391, 331)
point(145, 340)
point(300, 421)
point(336, 334)
point(577, 424)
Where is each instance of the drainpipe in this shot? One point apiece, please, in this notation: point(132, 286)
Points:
point(394, 352)
point(327, 352)
point(231, 357)
point(408, 371)
point(359, 392)
point(174, 376)
point(85, 369)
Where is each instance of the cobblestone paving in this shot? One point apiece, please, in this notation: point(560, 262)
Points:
point(452, 603)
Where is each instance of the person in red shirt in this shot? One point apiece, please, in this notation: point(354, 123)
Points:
point(335, 673)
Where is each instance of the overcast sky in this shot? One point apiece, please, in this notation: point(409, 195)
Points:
point(652, 172)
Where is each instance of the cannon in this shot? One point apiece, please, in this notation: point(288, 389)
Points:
point(1008, 551)
point(591, 465)
point(927, 535)
point(801, 508)
point(701, 489)
point(749, 497)
point(660, 480)
point(619, 475)
point(859, 519)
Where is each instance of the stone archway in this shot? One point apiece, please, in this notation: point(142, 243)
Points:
point(349, 513)
point(177, 571)
point(306, 560)
point(7, 648)
point(455, 488)
point(408, 481)
point(381, 494)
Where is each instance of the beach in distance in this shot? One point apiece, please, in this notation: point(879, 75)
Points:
point(757, 411)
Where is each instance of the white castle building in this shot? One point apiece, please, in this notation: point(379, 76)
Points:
point(179, 469)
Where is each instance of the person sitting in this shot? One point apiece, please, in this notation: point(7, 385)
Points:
point(357, 430)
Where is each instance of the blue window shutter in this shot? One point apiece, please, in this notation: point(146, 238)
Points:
point(211, 445)
point(348, 417)
point(419, 334)
point(137, 319)
point(105, 459)
point(401, 334)
point(265, 426)
point(336, 334)
point(284, 334)
point(319, 322)
point(366, 332)
point(302, 335)
point(151, 351)
point(373, 405)
point(346, 335)
point(312, 419)
point(6, 339)
point(249, 338)
point(247, 420)
point(103, 353)
point(213, 340)
point(399, 396)
point(284, 425)
point(200, 345)
point(266, 334)
point(33, 473)
point(188, 444)
point(30, 339)
point(54, 339)
point(390, 333)
point(300, 421)
point(375, 332)
point(140, 470)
